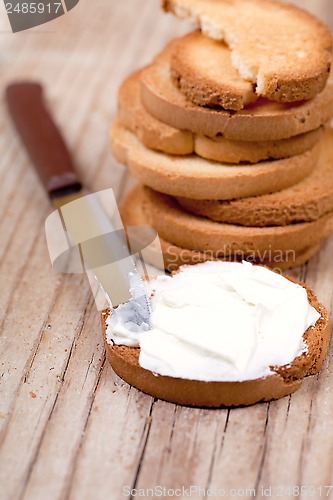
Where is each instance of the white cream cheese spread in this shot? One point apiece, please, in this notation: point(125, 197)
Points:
point(220, 321)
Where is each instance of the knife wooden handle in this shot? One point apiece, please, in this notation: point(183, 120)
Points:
point(42, 138)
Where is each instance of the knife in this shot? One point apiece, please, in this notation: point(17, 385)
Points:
point(102, 241)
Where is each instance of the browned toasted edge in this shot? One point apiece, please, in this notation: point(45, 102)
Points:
point(175, 256)
point(286, 379)
point(299, 89)
point(165, 5)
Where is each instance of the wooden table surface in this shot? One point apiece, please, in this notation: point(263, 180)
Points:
point(70, 428)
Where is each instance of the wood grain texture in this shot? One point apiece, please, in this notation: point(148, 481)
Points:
point(69, 427)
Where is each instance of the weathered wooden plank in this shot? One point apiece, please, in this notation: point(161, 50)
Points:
point(38, 392)
point(290, 436)
point(87, 131)
point(69, 403)
point(115, 435)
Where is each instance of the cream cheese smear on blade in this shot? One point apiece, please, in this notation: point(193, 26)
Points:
point(220, 321)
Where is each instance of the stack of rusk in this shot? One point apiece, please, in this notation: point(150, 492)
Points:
point(227, 133)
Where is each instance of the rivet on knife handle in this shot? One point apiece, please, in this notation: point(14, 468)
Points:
point(41, 138)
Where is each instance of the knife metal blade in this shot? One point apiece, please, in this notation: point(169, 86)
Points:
point(84, 215)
